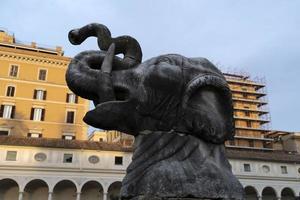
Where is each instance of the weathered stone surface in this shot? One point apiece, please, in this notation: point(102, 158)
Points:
point(179, 109)
point(179, 166)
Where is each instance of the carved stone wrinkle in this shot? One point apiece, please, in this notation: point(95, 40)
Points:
point(179, 109)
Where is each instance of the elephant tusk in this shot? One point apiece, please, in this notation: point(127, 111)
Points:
point(106, 90)
point(106, 66)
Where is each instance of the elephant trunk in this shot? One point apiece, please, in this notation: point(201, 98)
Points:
point(124, 44)
point(81, 77)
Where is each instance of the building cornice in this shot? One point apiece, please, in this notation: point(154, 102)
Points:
point(33, 58)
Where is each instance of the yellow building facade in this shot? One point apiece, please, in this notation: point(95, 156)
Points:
point(35, 100)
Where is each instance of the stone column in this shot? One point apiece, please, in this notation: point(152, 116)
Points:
point(78, 196)
point(20, 195)
point(259, 197)
point(104, 195)
point(49, 195)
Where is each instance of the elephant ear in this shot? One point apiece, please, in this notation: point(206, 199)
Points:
point(207, 109)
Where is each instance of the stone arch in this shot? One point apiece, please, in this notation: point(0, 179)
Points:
point(269, 193)
point(287, 194)
point(92, 190)
point(36, 189)
point(113, 191)
point(65, 189)
point(9, 189)
point(251, 193)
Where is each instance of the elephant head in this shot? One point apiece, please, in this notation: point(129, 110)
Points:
point(165, 93)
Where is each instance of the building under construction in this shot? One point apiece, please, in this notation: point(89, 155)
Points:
point(251, 115)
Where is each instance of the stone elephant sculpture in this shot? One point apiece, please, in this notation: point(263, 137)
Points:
point(179, 110)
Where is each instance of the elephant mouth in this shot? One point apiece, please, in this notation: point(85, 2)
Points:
point(105, 110)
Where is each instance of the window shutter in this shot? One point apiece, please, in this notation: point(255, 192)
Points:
point(76, 99)
point(40, 135)
point(68, 117)
point(45, 95)
point(34, 94)
point(8, 91)
point(12, 91)
point(31, 113)
point(43, 115)
point(67, 98)
point(12, 114)
point(1, 110)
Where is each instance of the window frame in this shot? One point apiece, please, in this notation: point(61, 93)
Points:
point(10, 68)
point(38, 74)
point(74, 116)
point(36, 92)
point(284, 169)
point(116, 160)
point(10, 151)
point(12, 111)
point(246, 165)
point(7, 90)
point(65, 137)
point(39, 135)
point(6, 130)
point(68, 99)
point(65, 159)
point(42, 114)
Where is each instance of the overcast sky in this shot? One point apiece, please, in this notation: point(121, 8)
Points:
point(259, 37)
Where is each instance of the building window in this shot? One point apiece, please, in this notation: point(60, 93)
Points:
point(7, 111)
point(247, 168)
point(40, 94)
point(42, 74)
point(11, 156)
point(284, 169)
point(71, 98)
point(4, 132)
point(13, 72)
point(70, 117)
point(251, 143)
point(68, 158)
point(118, 160)
point(248, 124)
point(100, 139)
point(247, 113)
point(245, 96)
point(10, 91)
point(34, 135)
point(37, 114)
point(68, 137)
